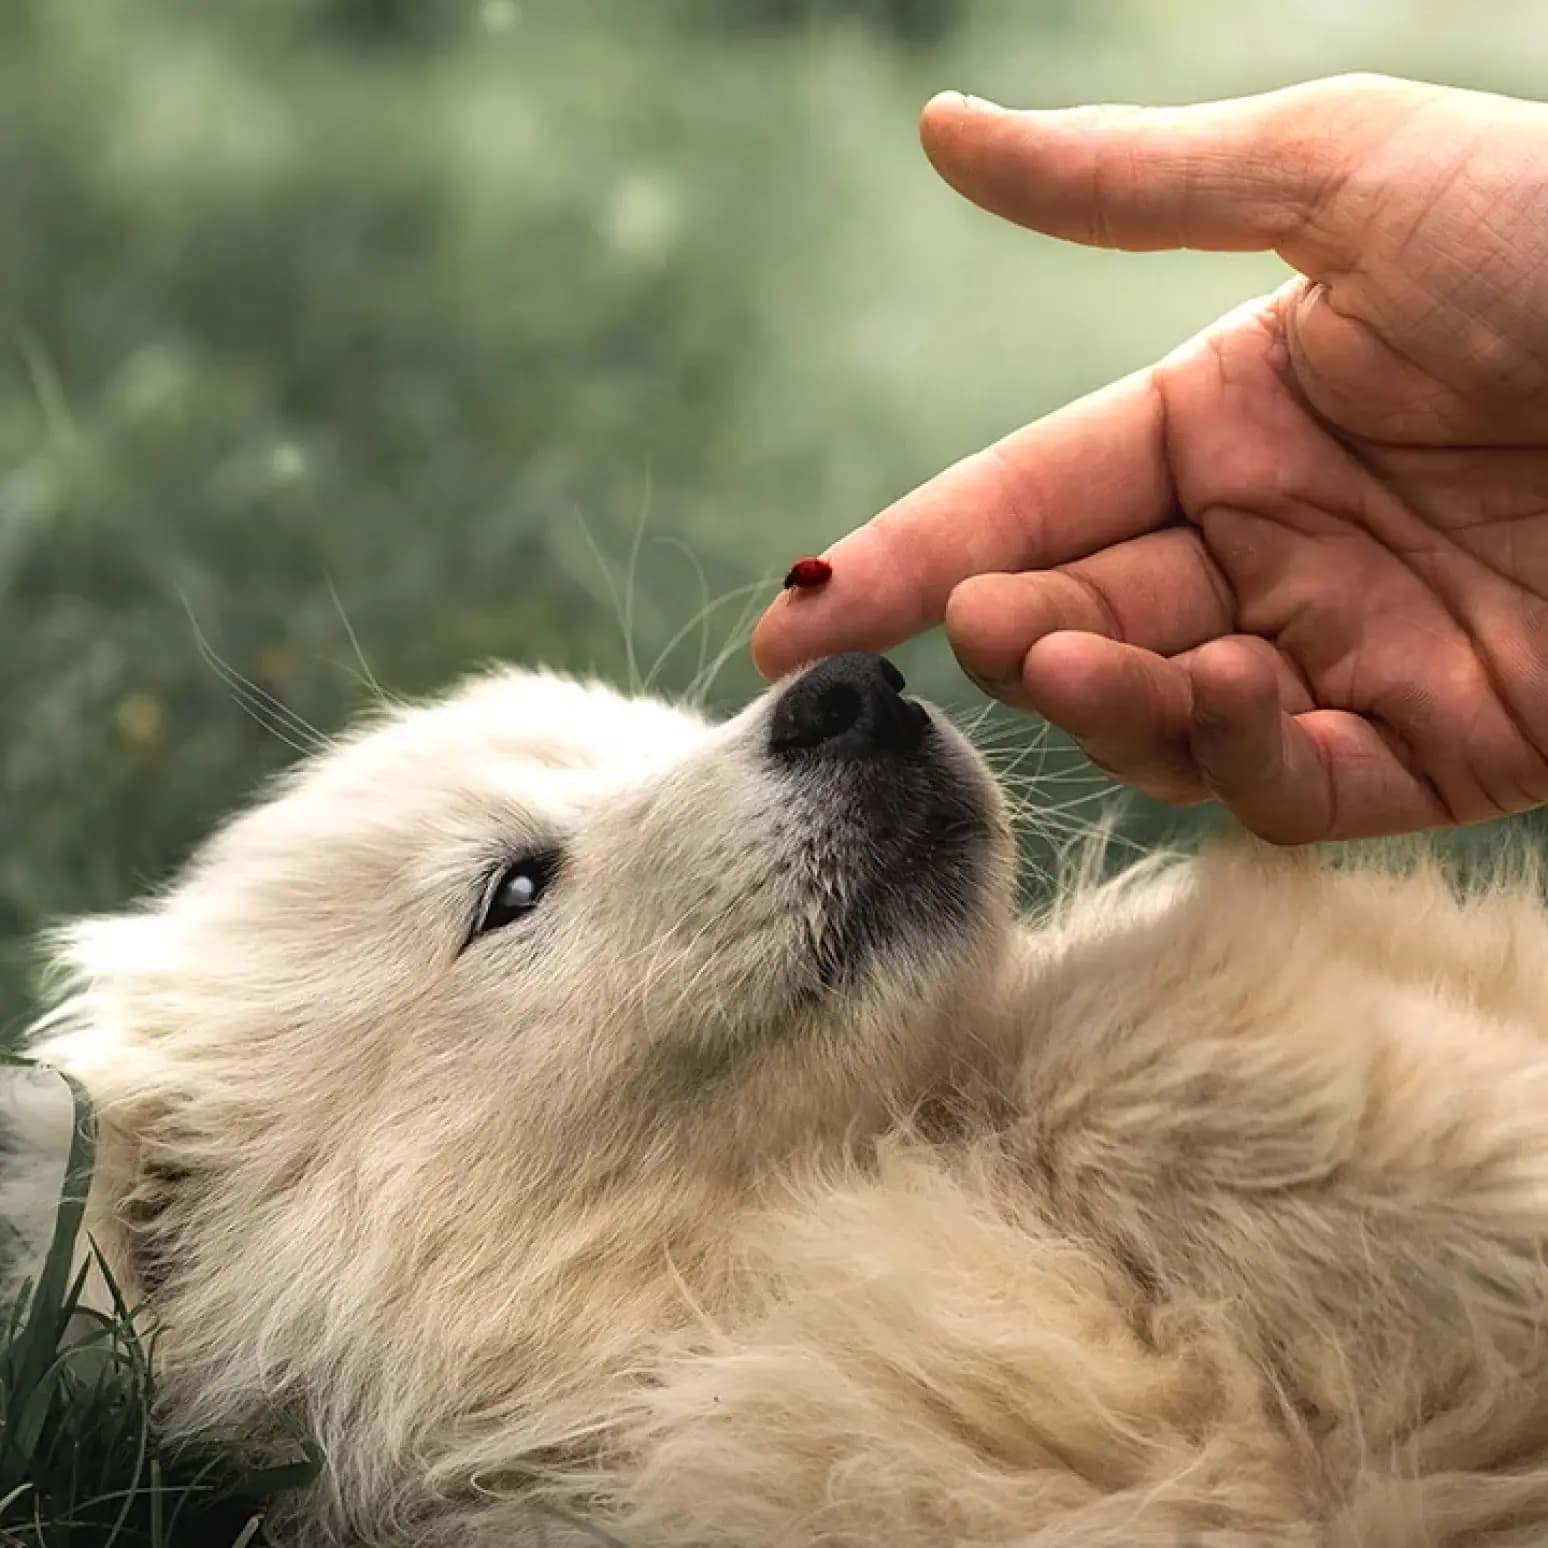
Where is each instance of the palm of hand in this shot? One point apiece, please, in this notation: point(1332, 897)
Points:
point(1340, 480)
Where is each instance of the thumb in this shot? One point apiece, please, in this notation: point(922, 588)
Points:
point(1246, 174)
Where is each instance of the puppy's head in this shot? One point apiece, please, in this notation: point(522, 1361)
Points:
point(535, 976)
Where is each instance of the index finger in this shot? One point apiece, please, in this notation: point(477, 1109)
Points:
point(1086, 476)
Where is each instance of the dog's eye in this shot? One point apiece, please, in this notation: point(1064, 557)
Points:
point(518, 889)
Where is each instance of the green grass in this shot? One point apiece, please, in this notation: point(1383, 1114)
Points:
point(361, 338)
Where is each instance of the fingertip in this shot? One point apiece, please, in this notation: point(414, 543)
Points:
point(947, 123)
point(1230, 685)
point(981, 615)
point(1247, 750)
point(1060, 652)
point(947, 108)
point(1126, 707)
point(943, 105)
point(771, 648)
point(1060, 676)
point(940, 125)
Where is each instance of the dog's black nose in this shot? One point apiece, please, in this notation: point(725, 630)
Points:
point(849, 706)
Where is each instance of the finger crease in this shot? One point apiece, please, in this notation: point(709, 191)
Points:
point(1098, 599)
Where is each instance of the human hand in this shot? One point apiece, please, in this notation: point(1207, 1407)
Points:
point(1301, 564)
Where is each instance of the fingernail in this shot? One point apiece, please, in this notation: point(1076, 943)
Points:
point(961, 99)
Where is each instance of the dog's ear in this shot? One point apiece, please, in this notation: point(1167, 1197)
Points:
point(117, 997)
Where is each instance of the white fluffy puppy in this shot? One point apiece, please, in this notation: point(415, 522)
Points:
point(571, 1109)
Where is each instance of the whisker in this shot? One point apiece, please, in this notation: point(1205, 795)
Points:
point(741, 630)
point(274, 716)
point(367, 675)
point(269, 710)
point(383, 698)
point(701, 618)
point(276, 729)
point(607, 580)
point(700, 621)
point(631, 576)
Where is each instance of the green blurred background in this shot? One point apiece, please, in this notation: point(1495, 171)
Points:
point(415, 312)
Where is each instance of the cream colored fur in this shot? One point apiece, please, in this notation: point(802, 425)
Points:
point(1209, 1210)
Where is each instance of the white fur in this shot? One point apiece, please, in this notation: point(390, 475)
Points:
point(1210, 1209)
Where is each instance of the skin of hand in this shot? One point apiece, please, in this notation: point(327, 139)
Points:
point(1300, 565)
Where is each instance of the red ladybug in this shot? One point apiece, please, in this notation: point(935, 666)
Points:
point(808, 575)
